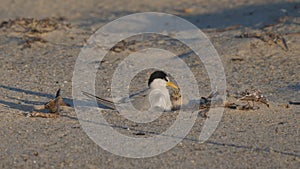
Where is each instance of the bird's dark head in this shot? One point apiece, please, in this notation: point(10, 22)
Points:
point(158, 75)
point(160, 79)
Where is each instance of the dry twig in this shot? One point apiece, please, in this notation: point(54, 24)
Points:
point(53, 106)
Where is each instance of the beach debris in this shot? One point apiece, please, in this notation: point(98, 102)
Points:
point(237, 106)
point(284, 105)
point(187, 10)
point(237, 59)
point(205, 103)
point(254, 96)
point(124, 45)
point(30, 30)
point(34, 26)
point(42, 115)
point(27, 41)
point(247, 96)
point(266, 36)
point(53, 107)
point(140, 133)
point(229, 28)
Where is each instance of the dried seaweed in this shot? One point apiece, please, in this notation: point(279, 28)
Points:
point(34, 26)
point(269, 37)
point(254, 96)
point(244, 98)
point(30, 30)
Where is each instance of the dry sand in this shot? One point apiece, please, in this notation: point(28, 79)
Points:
point(34, 65)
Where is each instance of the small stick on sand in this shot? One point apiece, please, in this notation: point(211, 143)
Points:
point(53, 106)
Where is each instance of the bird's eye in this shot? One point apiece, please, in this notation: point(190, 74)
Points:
point(167, 79)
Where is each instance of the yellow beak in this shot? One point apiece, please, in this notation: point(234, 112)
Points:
point(172, 85)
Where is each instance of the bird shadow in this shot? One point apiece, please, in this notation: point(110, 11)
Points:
point(27, 105)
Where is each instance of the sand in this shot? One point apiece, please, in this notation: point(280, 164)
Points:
point(35, 61)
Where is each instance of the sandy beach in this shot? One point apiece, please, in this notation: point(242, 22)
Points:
point(258, 44)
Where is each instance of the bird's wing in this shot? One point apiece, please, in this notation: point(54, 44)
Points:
point(133, 96)
point(107, 103)
point(141, 92)
point(110, 104)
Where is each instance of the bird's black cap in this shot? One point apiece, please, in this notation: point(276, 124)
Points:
point(157, 75)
